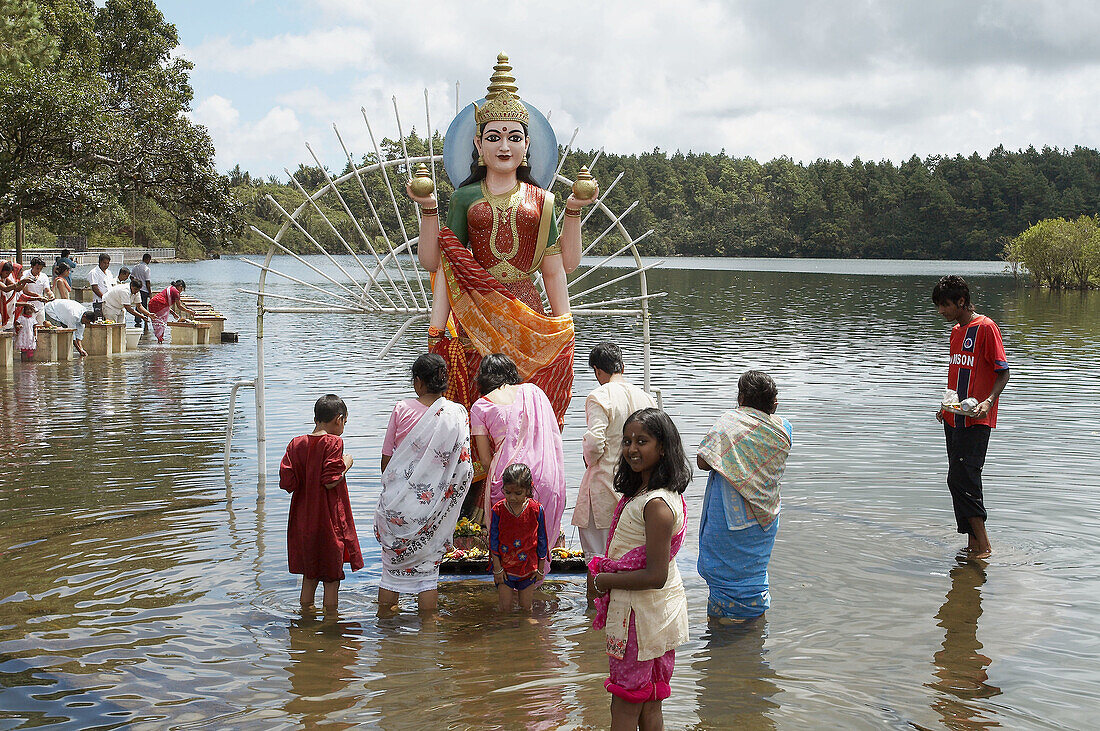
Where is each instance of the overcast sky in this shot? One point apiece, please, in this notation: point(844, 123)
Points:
point(837, 79)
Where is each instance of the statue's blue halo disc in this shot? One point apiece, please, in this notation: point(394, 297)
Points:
point(458, 147)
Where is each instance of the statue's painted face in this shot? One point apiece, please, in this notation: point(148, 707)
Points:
point(502, 145)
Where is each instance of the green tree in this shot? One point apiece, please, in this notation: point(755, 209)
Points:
point(23, 37)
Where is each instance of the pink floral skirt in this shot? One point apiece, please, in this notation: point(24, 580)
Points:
point(640, 681)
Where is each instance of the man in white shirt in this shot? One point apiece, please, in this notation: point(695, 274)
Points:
point(125, 297)
point(38, 289)
point(100, 280)
point(70, 313)
point(606, 410)
point(142, 274)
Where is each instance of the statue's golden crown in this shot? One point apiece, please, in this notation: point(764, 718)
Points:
point(502, 103)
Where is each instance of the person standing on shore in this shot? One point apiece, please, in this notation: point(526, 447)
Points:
point(142, 274)
point(605, 411)
point(66, 260)
point(100, 280)
point(978, 369)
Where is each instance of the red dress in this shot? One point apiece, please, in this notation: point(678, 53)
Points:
point(518, 541)
point(320, 535)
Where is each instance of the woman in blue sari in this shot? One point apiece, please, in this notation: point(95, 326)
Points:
point(746, 452)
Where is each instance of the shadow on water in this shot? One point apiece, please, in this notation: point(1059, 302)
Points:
point(960, 667)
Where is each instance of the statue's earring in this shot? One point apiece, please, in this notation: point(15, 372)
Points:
point(524, 162)
point(480, 160)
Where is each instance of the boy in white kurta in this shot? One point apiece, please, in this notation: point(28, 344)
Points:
point(605, 410)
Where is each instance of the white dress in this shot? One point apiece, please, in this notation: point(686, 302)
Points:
point(25, 338)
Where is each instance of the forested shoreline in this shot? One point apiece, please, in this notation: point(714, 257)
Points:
point(96, 141)
point(704, 204)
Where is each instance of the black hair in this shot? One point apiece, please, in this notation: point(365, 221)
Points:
point(90, 315)
point(136, 281)
point(329, 407)
point(672, 471)
point(37, 262)
point(60, 268)
point(6, 267)
point(146, 257)
point(495, 371)
point(607, 357)
point(431, 369)
point(104, 257)
point(951, 289)
point(122, 272)
point(64, 253)
point(518, 474)
point(180, 284)
point(757, 390)
point(477, 172)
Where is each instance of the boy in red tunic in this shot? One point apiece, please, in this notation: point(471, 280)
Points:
point(320, 535)
point(978, 370)
point(517, 540)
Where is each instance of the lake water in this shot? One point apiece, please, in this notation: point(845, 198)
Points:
point(136, 588)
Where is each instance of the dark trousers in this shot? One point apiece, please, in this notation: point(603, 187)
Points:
point(138, 322)
point(97, 308)
point(966, 447)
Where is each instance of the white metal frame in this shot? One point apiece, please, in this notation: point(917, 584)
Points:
point(386, 287)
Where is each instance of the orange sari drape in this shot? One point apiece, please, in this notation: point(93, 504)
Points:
point(487, 318)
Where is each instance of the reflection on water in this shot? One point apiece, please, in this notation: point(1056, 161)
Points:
point(137, 587)
point(736, 684)
point(960, 666)
point(323, 654)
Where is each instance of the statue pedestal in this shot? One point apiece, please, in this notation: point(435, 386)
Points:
point(217, 326)
point(7, 350)
point(54, 344)
point(190, 333)
point(82, 294)
point(100, 339)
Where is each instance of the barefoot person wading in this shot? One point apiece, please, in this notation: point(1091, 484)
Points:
point(979, 370)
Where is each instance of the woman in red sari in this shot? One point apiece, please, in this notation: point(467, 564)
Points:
point(500, 231)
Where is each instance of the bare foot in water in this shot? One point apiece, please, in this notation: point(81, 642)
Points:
point(986, 553)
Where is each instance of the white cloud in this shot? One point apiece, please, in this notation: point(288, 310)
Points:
point(263, 146)
point(323, 51)
point(865, 78)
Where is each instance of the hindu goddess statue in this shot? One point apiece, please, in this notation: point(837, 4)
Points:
point(500, 230)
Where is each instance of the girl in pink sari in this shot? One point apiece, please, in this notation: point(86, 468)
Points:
point(166, 302)
point(514, 422)
point(641, 600)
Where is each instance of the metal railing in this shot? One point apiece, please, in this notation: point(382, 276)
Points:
point(89, 258)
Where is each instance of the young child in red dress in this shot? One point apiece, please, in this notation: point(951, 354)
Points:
point(320, 535)
point(517, 540)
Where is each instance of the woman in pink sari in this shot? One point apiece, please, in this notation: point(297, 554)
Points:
point(166, 302)
point(11, 285)
point(514, 422)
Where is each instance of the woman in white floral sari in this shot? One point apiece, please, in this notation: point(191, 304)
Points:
point(426, 471)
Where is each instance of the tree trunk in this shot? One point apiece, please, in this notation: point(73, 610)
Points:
point(19, 238)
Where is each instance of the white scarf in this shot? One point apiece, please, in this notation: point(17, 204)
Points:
point(423, 488)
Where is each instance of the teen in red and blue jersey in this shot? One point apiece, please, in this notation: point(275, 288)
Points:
point(978, 370)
